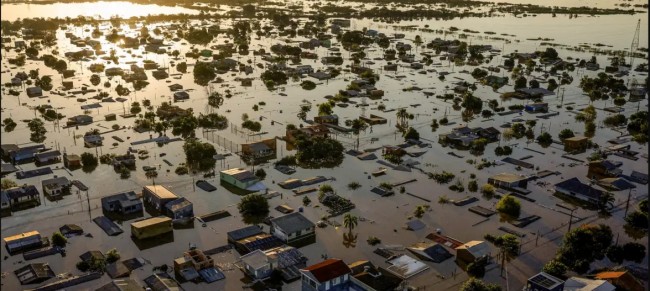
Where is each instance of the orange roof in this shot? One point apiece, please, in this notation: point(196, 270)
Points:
point(609, 275)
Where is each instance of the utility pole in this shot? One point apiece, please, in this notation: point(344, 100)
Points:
point(571, 219)
point(627, 204)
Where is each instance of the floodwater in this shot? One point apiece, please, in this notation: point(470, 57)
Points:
point(385, 216)
point(100, 9)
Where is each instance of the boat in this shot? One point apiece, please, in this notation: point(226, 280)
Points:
point(379, 172)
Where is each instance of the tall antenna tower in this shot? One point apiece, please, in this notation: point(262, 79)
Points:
point(634, 47)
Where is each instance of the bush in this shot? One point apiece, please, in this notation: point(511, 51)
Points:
point(487, 189)
point(181, 170)
point(260, 173)
point(615, 254)
point(254, 208)
point(373, 240)
point(306, 201)
point(83, 266)
point(411, 133)
point(59, 239)
point(89, 160)
point(566, 133)
point(474, 284)
point(112, 256)
point(555, 268)
point(509, 205)
point(354, 186)
point(472, 186)
point(634, 252)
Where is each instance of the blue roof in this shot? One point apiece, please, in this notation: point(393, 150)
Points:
point(243, 233)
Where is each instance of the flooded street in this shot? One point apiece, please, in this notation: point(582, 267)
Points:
point(381, 217)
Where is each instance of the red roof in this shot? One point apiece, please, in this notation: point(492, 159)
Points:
point(328, 269)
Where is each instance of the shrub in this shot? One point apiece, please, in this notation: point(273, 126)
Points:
point(59, 239)
point(112, 256)
point(373, 240)
point(509, 205)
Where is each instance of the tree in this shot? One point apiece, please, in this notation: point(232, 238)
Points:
point(95, 79)
point(634, 252)
point(357, 126)
point(38, 131)
point(487, 190)
point(403, 119)
point(545, 139)
point(619, 101)
point(203, 73)
point(472, 186)
point(319, 152)
point(411, 133)
point(605, 199)
point(533, 83)
point(350, 221)
point(520, 82)
point(566, 133)
point(325, 109)
point(199, 155)
point(8, 184)
point(476, 269)
point(555, 268)
point(59, 239)
point(616, 254)
point(583, 245)
point(635, 219)
point(181, 67)
point(508, 245)
point(215, 100)
point(474, 284)
point(509, 205)
point(254, 208)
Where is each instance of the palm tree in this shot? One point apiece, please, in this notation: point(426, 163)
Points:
point(357, 126)
point(350, 221)
point(402, 118)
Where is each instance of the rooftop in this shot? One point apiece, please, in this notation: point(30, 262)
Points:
point(291, 223)
point(151, 221)
point(546, 280)
point(328, 269)
point(508, 177)
point(161, 191)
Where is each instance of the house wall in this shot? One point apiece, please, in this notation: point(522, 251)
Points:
point(231, 180)
point(576, 195)
point(151, 230)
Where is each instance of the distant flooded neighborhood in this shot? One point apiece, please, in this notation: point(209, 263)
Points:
point(324, 145)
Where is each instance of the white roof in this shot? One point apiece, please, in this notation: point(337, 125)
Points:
point(582, 284)
point(256, 259)
point(406, 266)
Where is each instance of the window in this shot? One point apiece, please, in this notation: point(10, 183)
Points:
point(327, 285)
point(336, 281)
point(299, 233)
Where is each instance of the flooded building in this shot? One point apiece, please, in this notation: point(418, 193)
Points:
point(24, 241)
point(34, 273)
point(264, 149)
point(574, 188)
point(158, 196)
point(151, 227)
point(328, 119)
point(471, 251)
point(238, 177)
point(331, 274)
point(56, 186)
point(122, 203)
point(192, 261)
point(20, 196)
point(371, 278)
point(293, 229)
point(508, 181)
point(604, 169)
point(544, 282)
point(180, 210)
point(576, 144)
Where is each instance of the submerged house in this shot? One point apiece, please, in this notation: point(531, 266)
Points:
point(122, 203)
point(151, 227)
point(544, 282)
point(574, 188)
point(294, 229)
point(240, 178)
point(22, 195)
point(264, 149)
point(331, 274)
point(508, 181)
point(158, 196)
point(180, 210)
point(24, 241)
point(604, 169)
point(56, 186)
point(471, 251)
